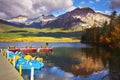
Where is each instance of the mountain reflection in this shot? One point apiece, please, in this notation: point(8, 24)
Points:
point(91, 60)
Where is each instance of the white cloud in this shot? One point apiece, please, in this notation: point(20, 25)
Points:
point(31, 8)
point(91, 2)
point(71, 8)
point(104, 12)
point(82, 2)
point(54, 74)
point(107, 12)
point(97, 0)
point(2, 15)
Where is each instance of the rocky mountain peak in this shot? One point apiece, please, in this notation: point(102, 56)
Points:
point(79, 19)
point(20, 19)
point(47, 16)
point(82, 11)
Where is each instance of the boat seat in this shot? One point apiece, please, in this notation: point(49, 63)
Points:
point(11, 47)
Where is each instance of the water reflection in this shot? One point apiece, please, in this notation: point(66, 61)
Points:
point(53, 73)
point(80, 61)
point(114, 65)
point(68, 62)
point(91, 60)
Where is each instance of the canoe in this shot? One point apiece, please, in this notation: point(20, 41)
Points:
point(28, 64)
point(46, 49)
point(28, 50)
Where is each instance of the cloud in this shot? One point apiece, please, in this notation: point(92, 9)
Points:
point(82, 2)
point(2, 15)
point(54, 73)
point(71, 8)
point(97, 0)
point(115, 4)
point(107, 12)
point(91, 2)
point(31, 8)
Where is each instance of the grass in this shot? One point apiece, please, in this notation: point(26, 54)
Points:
point(4, 27)
point(42, 39)
point(14, 34)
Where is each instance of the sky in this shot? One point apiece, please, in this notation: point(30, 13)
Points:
point(36, 8)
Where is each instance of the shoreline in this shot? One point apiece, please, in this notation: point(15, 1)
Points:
point(42, 39)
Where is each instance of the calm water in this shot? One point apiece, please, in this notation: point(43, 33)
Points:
point(75, 61)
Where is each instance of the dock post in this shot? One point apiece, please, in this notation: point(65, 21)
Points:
point(20, 69)
point(7, 55)
point(14, 61)
point(1, 50)
point(38, 50)
point(32, 73)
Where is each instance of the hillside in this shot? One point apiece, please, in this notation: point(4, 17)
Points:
point(4, 27)
point(14, 34)
point(66, 27)
point(79, 19)
point(108, 35)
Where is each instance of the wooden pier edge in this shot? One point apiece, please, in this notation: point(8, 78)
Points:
point(8, 71)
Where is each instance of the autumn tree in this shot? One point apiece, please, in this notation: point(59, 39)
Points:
point(108, 35)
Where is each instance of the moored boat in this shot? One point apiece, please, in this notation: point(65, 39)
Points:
point(46, 49)
point(28, 50)
point(13, 48)
point(28, 64)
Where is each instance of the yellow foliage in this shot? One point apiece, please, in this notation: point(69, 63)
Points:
point(43, 39)
point(102, 39)
point(108, 40)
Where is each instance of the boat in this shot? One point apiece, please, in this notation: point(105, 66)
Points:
point(13, 48)
point(28, 50)
point(46, 49)
point(11, 54)
point(28, 64)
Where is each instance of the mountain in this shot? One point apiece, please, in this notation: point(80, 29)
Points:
point(22, 20)
point(18, 19)
point(11, 23)
point(79, 19)
point(46, 19)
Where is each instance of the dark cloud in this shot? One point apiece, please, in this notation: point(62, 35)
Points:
point(115, 4)
point(31, 8)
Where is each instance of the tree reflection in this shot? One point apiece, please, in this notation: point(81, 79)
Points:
point(91, 60)
point(114, 65)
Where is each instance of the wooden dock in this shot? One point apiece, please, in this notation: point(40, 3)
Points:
point(7, 71)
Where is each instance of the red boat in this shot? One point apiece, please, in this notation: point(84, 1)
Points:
point(13, 48)
point(46, 49)
point(28, 50)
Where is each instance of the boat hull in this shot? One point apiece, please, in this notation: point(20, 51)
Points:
point(28, 50)
point(29, 64)
point(46, 49)
point(14, 50)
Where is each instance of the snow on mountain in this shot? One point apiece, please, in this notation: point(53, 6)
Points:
point(78, 19)
point(18, 19)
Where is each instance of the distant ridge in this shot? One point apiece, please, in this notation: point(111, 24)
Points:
point(77, 19)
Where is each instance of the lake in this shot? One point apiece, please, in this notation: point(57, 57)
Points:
point(74, 61)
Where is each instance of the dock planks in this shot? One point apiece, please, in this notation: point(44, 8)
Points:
point(7, 71)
